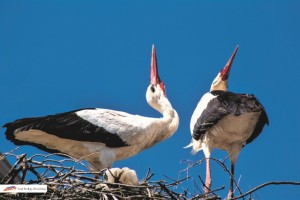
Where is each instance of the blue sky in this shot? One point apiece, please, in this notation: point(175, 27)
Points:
point(57, 56)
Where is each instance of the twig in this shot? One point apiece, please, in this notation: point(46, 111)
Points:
point(228, 171)
point(66, 181)
point(148, 176)
point(5, 154)
point(266, 184)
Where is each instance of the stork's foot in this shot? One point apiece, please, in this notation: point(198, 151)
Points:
point(230, 195)
point(207, 187)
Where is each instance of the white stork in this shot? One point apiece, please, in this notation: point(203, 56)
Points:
point(100, 136)
point(225, 120)
point(124, 176)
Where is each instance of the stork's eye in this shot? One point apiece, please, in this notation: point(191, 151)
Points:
point(152, 88)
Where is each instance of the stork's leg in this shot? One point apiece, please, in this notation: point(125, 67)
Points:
point(208, 177)
point(96, 166)
point(207, 151)
point(235, 150)
point(230, 194)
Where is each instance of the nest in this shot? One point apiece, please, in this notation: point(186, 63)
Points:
point(72, 179)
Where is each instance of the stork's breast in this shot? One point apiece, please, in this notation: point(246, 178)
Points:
point(232, 129)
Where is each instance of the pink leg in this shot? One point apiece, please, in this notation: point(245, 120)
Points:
point(208, 177)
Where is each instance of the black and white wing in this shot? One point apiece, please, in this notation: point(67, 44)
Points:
point(215, 105)
point(112, 128)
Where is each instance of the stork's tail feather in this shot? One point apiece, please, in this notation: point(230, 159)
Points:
point(9, 133)
point(188, 146)
point(195, 148)
point(13, 127)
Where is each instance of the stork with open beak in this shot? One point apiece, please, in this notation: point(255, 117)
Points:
point(225, 120)
point(100, 136)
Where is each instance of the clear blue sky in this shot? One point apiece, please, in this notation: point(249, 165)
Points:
point(57, 56)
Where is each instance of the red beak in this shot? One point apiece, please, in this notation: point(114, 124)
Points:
point(226, 70)
point(154, 78)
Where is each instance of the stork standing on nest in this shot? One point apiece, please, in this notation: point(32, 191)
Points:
point(100, 136)
point(225, 120)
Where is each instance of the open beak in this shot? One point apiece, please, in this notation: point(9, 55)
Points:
point(224, 74)
point(154, 77)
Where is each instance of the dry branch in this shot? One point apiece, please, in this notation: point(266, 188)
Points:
point(266, 184)
point(69, 178)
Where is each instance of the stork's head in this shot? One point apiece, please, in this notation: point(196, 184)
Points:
point(156, 89)
point(221, 80)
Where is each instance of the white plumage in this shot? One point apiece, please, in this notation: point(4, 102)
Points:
point(226, 121)
point(124, 176)
point(201, 106)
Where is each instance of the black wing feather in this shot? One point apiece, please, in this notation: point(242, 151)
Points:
point(229, 103)
point(66, 125)
point(210, 116)
point(262, 121)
